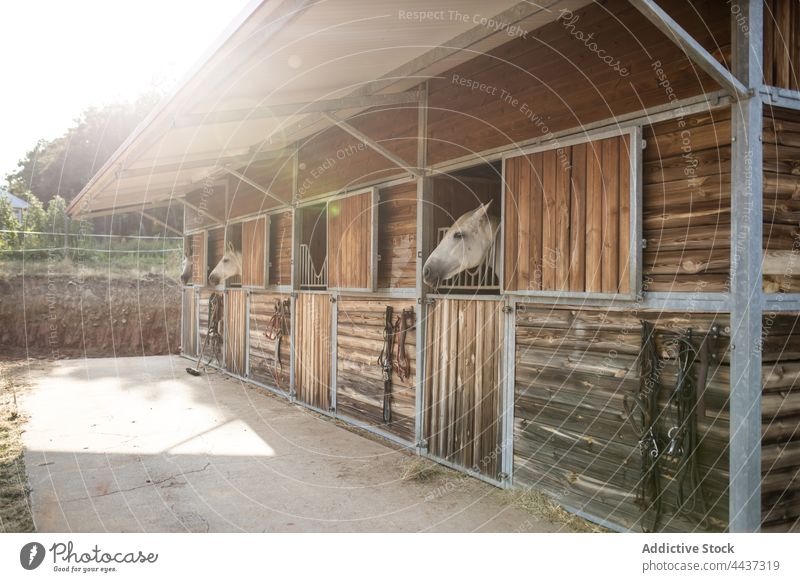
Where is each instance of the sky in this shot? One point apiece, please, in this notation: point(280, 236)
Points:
point(59, 57)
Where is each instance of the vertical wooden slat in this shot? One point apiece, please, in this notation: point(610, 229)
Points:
point(562, 213)
point(549, 232)
point(511, 225)
point(624, 285)
point(536, 222)
point(769, 41)
point(522, 263)
point(577, 263)
point(594, 217)
point(783, 41)
point(610, 241)
point(479, 382)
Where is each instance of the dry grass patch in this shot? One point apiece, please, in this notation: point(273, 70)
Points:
point(541, 506)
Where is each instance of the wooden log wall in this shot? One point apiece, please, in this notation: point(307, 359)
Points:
point(397, 236)
point(782, 44)
point(235, 330)
point(199, 273)
point(780, 422)
point(350, 242)
point(189, 323)
point(686, 203)
point(567, 225)
point(280, 248)
point(359, 377)
point(254, 247)
point(572, 437)
point(462, 383)
point(781, 184)
point(313, 349)
point(547, 81)
point(264, 367)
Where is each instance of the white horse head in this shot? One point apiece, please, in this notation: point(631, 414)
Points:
point(464, 246)
point(186, 269)
point(229, 266)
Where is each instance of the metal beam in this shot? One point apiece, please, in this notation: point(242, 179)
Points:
point(257, 186)
point(137, 207)
point(369, 142)
point(290, 109)
point(746, 291)
point(199, 210)
point(160, 222)
point(693, 49)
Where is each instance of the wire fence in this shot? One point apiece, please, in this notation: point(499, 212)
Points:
point(77, 246)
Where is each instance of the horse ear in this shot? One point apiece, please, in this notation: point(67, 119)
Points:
point(484, 208)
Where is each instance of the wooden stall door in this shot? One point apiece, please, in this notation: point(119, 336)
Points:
point(234, 330)
point(254, 251)
point(462, 385)
point(189, 323)
point(567, 219)
point(352, 248)
point(199, 258)
point(313, 349)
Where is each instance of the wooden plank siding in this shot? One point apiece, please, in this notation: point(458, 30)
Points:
point(572, 438)
point(280, 248)
point(273, 175)
point(547, 81)
point(359, 377)
point(782, 44)
point(199, 272)
point(235, 330)
point(686, 203)
point(397, 236)
point(254, 247)
point(264, 367)
point(564, 218)
point(350, 242)
point(189, 323)
point(781, 182)
point(780, 419)
point(462, 387)
point(313, 349)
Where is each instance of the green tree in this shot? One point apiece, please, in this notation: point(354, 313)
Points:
point(8, 221)
point(62, 166)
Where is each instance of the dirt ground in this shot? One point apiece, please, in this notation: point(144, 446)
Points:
point(137, 445)
point(58, 315)
point(15, 511)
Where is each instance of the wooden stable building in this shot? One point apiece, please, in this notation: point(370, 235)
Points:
point(633, 352)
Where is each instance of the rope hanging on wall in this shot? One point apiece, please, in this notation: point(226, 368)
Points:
point(389, 361)
point(277, 327)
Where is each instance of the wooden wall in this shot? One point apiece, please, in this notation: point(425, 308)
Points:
point(333, 160)
point(199, 272)
point(686, 203)
point(780, 422)
point(313, 349)
point(273, 175)
point(254, 241)
point(548, 81)
point(397, 236)
point(567, 224)
point(211, 200)
point(280, 248)
point(263, 366)
point(572, 438)
point(359, 378)
point(781, 200)
point(189, 323)
point(462, 391)
point(350, 242)
point(215, 249)
point(782, 43)
point(235, 330)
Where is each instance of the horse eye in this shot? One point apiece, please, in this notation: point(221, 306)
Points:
point(225, 260)
point(458, 234)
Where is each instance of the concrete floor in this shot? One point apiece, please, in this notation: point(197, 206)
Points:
point(136, 444)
